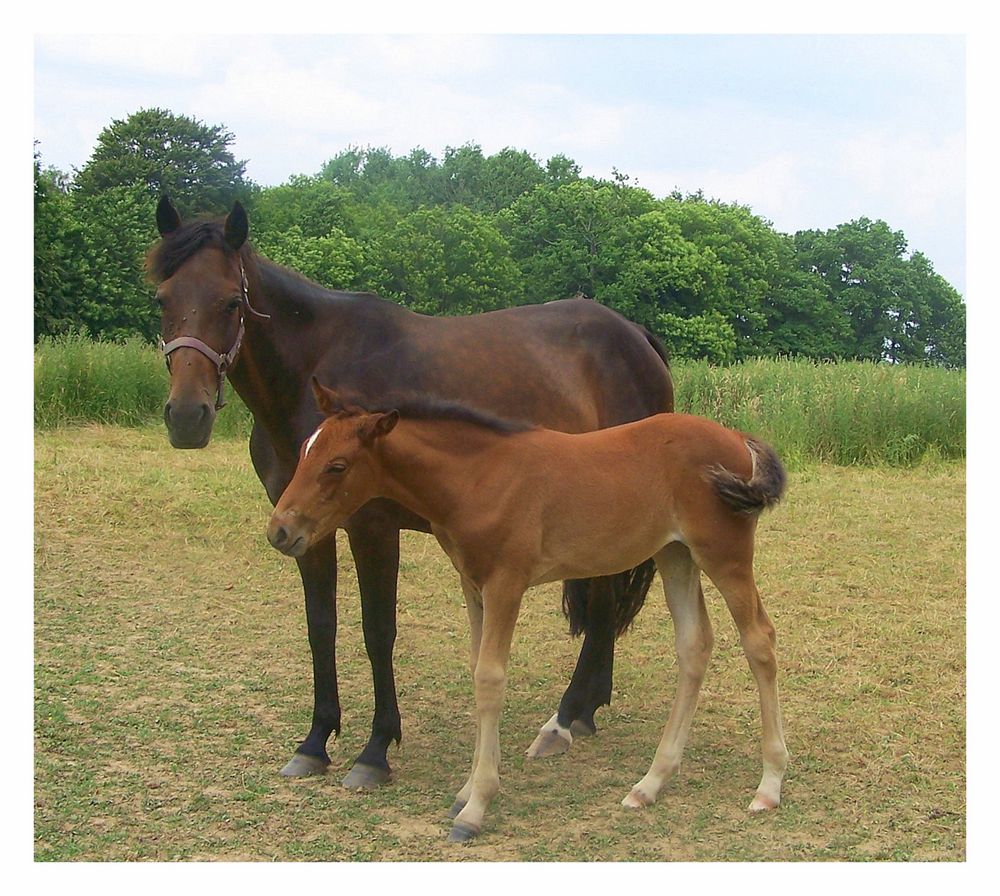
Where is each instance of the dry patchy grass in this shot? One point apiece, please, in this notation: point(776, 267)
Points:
point(172, 682)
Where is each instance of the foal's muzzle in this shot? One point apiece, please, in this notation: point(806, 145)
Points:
point(286, 536)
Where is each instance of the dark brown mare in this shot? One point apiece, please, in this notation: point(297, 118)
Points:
point(571, 365)
point(515, 506)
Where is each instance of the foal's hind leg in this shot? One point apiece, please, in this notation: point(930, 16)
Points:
point(693, 639)
point(736, 583)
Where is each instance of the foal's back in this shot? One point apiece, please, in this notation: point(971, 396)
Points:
point(604, 501)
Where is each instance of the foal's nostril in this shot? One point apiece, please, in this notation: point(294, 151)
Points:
point(278, 536)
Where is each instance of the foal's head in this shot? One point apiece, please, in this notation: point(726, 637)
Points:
point(336, 475)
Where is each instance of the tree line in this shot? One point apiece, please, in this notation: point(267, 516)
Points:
point(471, 232)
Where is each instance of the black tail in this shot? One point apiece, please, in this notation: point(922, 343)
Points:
point(764, 488)
point(627, 591)
point(657, 346)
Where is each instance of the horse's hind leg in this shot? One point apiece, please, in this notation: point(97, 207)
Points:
point(735, 581)
point(693, 639)
point(590, 686)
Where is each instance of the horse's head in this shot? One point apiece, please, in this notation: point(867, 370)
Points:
point(337, 473)
point(202, 292)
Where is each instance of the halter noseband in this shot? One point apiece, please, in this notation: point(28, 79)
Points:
point(224, 361)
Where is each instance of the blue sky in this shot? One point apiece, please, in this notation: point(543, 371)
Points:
point(810, 131)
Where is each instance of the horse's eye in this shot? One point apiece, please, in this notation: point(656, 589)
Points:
point(336, 467)
point(233, 305)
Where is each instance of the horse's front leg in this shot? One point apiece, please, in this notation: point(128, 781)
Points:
point(374, 541)
point(318, 569)
point(501, 604)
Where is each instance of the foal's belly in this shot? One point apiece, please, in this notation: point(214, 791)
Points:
point(612, 555)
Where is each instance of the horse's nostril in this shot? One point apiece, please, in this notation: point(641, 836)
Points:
point(279, 536)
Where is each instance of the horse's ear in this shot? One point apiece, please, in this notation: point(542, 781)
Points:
point(237, 227)
point(167, 218)
point(326, 399)
point(381, 425)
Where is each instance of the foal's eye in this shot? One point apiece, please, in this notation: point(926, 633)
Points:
point(336, 467)
point(233, 305)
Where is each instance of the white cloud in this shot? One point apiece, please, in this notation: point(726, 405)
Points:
point(917, 173)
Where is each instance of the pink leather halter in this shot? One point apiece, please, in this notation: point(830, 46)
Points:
point(224, 361)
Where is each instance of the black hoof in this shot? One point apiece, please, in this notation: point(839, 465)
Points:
point(580, 728)
point(456, 807)
point(462, 832)
point(302, 764)
point(365, 777)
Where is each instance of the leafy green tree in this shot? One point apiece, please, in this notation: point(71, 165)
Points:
point(333, 260)
point(315, 205)
point(567, 239)
point(166, 153)
point(898, 308)
point(446, 261)
point(63, 274)
point(119, 230)
point(658, 274)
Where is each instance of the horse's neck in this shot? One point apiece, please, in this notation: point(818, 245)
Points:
point(279, 353)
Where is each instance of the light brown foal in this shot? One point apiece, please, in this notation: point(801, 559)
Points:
point(515, 506)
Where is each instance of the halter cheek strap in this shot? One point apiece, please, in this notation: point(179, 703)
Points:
point(224, 361)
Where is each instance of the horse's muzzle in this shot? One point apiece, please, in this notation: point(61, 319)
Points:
point(189, 424)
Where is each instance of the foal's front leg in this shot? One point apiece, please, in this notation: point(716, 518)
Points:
point(501, 604)
point(474, 608)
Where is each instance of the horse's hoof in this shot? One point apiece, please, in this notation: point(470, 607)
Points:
point(302, 765)
point(456, 807)
point(550, 742)
point(462, 832)
point(365, 777)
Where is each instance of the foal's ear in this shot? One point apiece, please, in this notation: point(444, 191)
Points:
point(326, 399)
point(167, 218)
point(379, 425)
point(237, 227)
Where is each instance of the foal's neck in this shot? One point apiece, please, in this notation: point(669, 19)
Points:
point(434, 467)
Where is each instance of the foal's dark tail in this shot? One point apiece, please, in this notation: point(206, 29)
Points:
point(764, 488)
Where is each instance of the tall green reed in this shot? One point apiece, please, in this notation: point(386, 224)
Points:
point(849, 412)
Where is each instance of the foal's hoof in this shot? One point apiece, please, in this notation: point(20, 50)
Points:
point(636, 799)
point(302, 765)
point(763, 803)
point(462, 832)
point(456, 807)
point(365, 777)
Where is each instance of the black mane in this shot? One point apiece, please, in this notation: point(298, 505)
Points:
point(167, 256)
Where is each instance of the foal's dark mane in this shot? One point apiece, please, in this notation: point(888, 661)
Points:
point(413, 406)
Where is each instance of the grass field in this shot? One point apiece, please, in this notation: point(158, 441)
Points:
point(172, 683)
